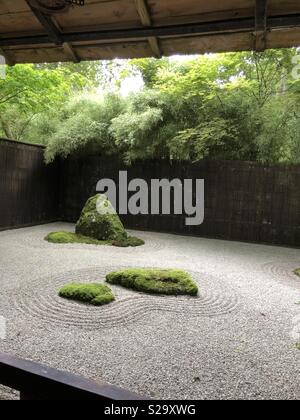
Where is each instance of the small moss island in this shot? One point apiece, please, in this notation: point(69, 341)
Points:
point(97, 227)
point(72, 238)
point(93, 293)
point(155, 281)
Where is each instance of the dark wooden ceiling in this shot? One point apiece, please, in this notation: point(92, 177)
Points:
point(105, 29)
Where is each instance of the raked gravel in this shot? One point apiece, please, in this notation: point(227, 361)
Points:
point(235, 341)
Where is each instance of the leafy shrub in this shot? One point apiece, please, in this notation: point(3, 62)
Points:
point(85, 128)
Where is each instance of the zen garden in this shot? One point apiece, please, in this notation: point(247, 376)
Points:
point(150, 202)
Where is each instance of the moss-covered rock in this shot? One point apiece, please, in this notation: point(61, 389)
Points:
point(97, 226)
point(93, 293)
point(156, 281)
point(103, 227)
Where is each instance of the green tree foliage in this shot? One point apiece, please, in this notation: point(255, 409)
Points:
point(218, 106)
point(85, 127)
point(94, 73)
point(217, 139)
point(26, 92)
point(149, 68)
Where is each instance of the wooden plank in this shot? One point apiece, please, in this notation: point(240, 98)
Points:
point(140, 49)
point(126, 31)
point(155, 46)
point(232, 26)
point(169, 12)
point(228, 43)
point(284, 39)
point(281, 8)
point(52, 29)
point(47, 23)
point(106, 51)
point(261, 11)
point(15, 16)
point(261, 15)
point(207, 44)
point(44, 54)
point(103, 14)
point(145, 16)
point(71, 52)
point(143, 11)
point(169, 46)
point(36, 382)
point(193, 29)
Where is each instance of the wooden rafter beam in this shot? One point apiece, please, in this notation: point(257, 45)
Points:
point(261, 13)
point(198, 29)
point(154, 45)
point(53, 31)
point(145, 16)
point(68, 48)
point(47, 23)
point(143, 11)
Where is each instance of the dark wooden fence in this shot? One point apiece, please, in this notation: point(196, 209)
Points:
point(29, 190)
point(243, 201)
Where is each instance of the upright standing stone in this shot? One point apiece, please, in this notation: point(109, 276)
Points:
point(97, 224)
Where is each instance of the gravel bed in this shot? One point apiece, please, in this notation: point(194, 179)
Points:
point(235, 341)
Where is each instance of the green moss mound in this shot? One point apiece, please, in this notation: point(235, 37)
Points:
point(297, 272)
point(102, 227)
point(129, 241)
point(72, 238)
point(155, 281)
point(93, 293)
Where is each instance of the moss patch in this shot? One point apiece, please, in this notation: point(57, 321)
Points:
point(73, 238)
point(156, 281)
point(94, 224)
point(129, 241)
point(297, 272)
point(93, 293)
